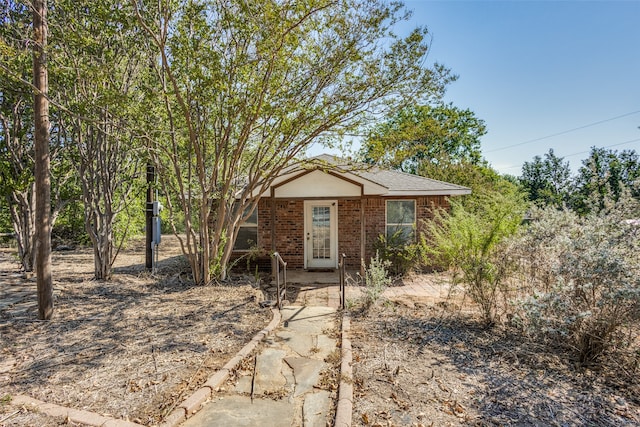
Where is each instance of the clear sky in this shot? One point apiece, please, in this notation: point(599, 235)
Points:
point(533, 69)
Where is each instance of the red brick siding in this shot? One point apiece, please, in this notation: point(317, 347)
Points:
point(289, 229)
point(264, 224)
point(376, 221)
point(349, 232)
point(290, 226)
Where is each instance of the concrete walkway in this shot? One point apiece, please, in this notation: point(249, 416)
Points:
point(284, 388)
point(321, 289)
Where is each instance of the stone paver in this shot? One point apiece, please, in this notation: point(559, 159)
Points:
point(306, 373)
point(229, 411)
point(268, 373)
point(315, 409)
point(285, 382)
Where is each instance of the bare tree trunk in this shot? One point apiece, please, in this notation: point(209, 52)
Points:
point(42, 162)
point(20, 199)
point(103, 247)
point(22, 209)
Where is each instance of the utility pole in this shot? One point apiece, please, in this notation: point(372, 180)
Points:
point(42, 162)
point(151, 179)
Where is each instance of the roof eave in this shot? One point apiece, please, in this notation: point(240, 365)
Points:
point(408, 193)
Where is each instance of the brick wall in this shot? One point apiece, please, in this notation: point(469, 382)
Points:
point(289, 227)
point(289, 230)
point(349, 232)
point(375, 218)
point(374, 224)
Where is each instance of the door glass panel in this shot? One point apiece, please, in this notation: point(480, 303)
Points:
point(321, 232)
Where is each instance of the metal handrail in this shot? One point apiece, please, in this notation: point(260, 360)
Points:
point(342, 270)
point(281, 293)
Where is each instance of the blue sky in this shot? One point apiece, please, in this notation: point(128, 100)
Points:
point(532, 69)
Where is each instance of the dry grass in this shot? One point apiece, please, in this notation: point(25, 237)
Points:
point(131, 348)
point(428, 366)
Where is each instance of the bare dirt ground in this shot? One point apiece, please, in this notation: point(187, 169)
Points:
point(135, 347)
point(131, 348)
point(433, 364)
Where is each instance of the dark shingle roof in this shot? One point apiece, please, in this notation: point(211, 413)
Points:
point(397, 183)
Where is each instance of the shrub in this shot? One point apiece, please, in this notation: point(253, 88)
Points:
point(402, 256)
point(469, 241)
point(376, 280)
point(592, 292)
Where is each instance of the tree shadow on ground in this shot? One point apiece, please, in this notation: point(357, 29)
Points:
point(128, 329)
point(523, 383)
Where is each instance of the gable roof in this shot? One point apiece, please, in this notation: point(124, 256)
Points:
point(395, 182)
point(373, 180)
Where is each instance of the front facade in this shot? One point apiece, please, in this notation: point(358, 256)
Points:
point(312, 215)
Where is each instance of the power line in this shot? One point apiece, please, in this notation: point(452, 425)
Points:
point(563, 132)
point(582, 152)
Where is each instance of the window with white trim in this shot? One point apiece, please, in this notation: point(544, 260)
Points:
point(401, 219)
point(247, 233)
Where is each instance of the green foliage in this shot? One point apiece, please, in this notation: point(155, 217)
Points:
point(605, 175)
point(422, 137)
point(583, 289)
point(132, 222)
point(481, 179)
point(401, 255)
point(69, 227)
point(547, 181)
point(247, 87)
point(470, 239)
point(376, 280)
point(5, 399)
point(5, 218)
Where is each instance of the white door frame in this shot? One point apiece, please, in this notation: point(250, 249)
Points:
point(332, 261)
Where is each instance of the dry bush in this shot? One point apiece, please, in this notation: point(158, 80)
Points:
point(376, 280)
point(472, 243)
point(582, 287)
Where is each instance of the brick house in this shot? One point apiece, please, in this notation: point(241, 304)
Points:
point(313, 213)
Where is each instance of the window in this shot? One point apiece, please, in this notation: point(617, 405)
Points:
point(401, 219)
point(248, 233)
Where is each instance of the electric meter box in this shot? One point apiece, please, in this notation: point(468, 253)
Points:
point(155, 227)
point(157, 207)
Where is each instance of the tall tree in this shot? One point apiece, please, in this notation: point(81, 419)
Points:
point(606, 175)
point(16, 125)
point(42, 161)
point(248, 86)
point(17, 184)
point(436, 141)
point(104, 66)
point(547, 181)
point(427, 138)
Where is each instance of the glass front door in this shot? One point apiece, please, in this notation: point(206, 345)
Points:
point(321, 236)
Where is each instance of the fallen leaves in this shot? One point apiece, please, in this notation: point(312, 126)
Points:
point(127, 347)
point(453, 407)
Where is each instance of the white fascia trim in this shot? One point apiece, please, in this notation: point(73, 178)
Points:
point(370, 188)
point(460, 192)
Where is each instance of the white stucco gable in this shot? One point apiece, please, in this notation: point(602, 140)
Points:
point(317, 184)
point(320, 182)
point(328, 176)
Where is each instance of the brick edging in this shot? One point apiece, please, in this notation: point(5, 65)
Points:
point(193, 403)
point(345, 394)
point(74, 415)
point(189, 406)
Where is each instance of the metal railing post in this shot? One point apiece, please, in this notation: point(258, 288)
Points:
point(281, 293)
point(342, 269)
point(279, 302)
